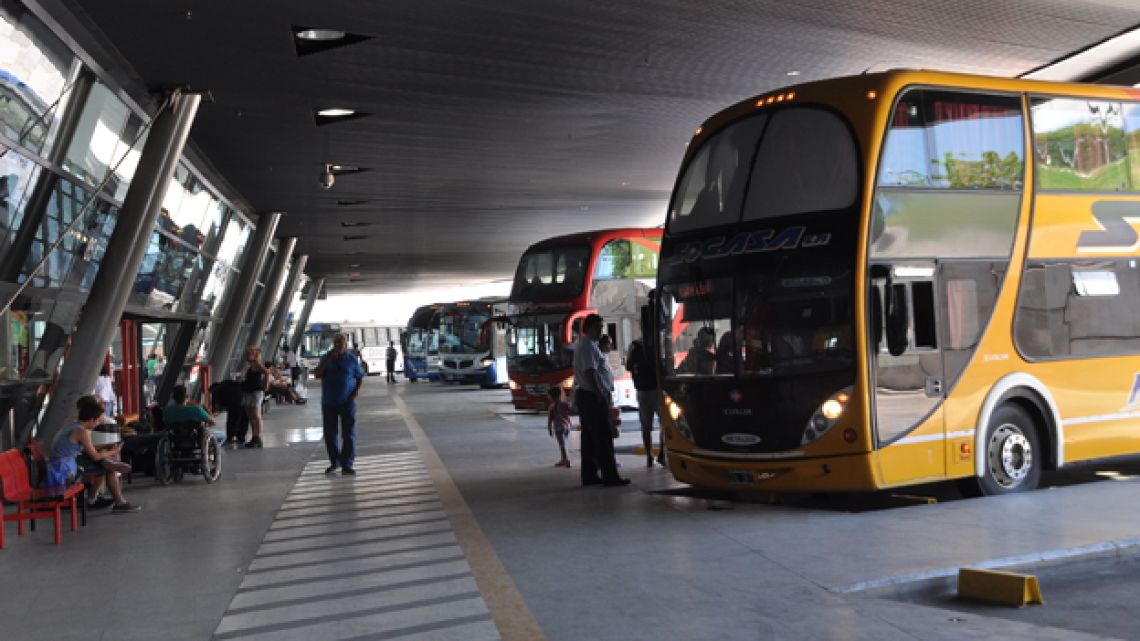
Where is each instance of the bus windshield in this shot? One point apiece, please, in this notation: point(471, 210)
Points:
point(794, 161)
point(318, 341)
point(463, 330)
point(765, 323)
point(535, 345)
point(555, 272)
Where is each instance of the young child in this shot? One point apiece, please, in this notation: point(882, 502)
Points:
point(558, 423)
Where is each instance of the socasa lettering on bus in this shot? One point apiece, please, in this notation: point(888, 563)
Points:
point(1117, 235)
point(762, 240)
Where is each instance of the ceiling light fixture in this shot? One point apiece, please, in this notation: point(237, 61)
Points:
point(793, 72)
point(320, 35)
point(335, 112)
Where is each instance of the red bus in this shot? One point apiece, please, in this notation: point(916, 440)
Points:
point(559, 282)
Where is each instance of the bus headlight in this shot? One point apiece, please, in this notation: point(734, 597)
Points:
point(513, 385)
point(826, 415)
point(487, 361)
point(678, 416)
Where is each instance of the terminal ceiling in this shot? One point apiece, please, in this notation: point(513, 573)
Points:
point(491, 125)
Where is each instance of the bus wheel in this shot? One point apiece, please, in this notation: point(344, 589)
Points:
point(1013, 453)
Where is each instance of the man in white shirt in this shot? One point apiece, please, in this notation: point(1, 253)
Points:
point(594, 399)
point(289, 357)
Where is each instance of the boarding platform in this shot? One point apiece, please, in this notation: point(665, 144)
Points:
point(458, 526)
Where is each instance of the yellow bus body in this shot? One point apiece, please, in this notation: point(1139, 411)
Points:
point(1089, 406)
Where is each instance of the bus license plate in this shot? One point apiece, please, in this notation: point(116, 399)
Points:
point(740, 477)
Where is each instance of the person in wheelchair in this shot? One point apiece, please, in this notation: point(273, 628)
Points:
point(188, 444)
point(181, 410)
point(73, 453)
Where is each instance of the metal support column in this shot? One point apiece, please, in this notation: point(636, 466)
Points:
point(268, 301)
point(122, 260)
point(315, 286)
point(273, 339)
point(225, 332)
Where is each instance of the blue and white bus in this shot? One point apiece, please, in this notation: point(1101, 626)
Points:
point(472, 346)
point(420, 343)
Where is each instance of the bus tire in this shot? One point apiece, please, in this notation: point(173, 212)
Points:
point(364, 367)
point(1013, 453)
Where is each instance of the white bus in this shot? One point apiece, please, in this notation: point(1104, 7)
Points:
point(368, 340)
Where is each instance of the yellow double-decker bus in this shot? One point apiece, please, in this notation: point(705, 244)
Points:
point(903, 277)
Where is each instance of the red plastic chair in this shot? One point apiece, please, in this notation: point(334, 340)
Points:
point(34, 503)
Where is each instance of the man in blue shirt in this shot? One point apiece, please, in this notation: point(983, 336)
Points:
point(341, 377)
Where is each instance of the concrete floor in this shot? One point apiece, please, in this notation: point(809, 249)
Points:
point(458, 527)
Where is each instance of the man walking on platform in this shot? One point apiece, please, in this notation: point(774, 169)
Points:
point(391, 361)
point(341, 378)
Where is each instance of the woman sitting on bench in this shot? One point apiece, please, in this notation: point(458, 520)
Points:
point(72, 448)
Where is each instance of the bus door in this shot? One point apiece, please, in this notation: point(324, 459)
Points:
point(908, 372)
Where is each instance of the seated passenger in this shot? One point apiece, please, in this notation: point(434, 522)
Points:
point(279, 387)
point(701, 358)
point(182, 411)
point(73, 448)
point(726, 354)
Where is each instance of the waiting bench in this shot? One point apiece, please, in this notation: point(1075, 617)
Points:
point(35, 503)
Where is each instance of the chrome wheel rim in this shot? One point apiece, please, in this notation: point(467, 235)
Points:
point(1010, 456)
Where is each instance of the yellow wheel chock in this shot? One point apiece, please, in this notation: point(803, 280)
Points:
point(996, 586)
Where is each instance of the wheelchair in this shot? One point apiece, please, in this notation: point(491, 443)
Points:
point(187, 447)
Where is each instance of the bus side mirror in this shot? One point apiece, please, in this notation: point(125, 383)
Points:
point(898, 318)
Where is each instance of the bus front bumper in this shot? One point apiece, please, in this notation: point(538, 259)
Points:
point(845, 473)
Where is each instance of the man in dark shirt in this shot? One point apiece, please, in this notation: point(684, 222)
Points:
point(644, 369)
point(341, 378)
point(391, 361)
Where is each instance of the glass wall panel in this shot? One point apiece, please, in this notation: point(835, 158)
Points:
point(105, 139)
point(36, 73)
point(126, 160)
point(163, 272)
point(190, 211)
point(18, 177)
point(237, 233)
point(76, 259)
